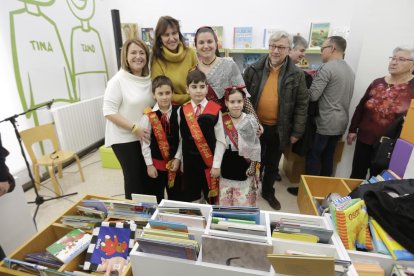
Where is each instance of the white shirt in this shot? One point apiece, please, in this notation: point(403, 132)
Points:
point(127, 95)
point(218, 132)
point(144, 123)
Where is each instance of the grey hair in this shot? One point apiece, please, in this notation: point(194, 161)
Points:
point(279, 35)
point(404, 48)
point(299, 40)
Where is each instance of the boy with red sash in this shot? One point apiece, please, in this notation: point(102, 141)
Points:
point(202, 141)
point(161, 121)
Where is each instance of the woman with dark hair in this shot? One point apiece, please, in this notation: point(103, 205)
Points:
point(220, 72)
point(127, 94)
point(171, 57)
point(385, 101)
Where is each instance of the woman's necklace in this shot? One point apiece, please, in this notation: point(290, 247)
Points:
point(208, 64)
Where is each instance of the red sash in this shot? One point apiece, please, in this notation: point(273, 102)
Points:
point(201, 143)
point(161, 137)
point(230, 130)
point(212, 96)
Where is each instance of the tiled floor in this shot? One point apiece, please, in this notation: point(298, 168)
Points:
point(109, 182)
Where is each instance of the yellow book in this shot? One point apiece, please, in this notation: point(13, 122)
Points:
point(169, 239)
point(296, 236)
point(168, 233)
point(396, 250)
point(302, 265)
point(368, 269)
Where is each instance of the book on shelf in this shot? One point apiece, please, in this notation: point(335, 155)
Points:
point(401, 270)
point(379, 246)
point(389, 175)
point(70, 245)
point(95, 204)
point(110, 246)
point(397, 251)
point(90, 212)
point(43, 258)
point(168, 244)
point(168, 233)
point(244, 213)
point(233, 252)
point(243, 37)
point(266, 36)
point(238, 226)
point(168, 225)
point(144, 198)
point(181, 210)
point(83, 222)
point(148, 36)
point(370, 269)
point(318, 34)
point(219, 33)
point(189, 220)
point(324, 235)
point(296, 237)
point(302, 265)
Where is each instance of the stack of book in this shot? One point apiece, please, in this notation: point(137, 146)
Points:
point(83, 222)
point(190, 216)
point(399, 270)
point(384, 176)
point(139, 212)
point(300, 232)
point(168, 239)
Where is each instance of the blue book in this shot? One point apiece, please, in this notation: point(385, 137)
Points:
point(379, 245)
point(387, 175)
point(243, 37)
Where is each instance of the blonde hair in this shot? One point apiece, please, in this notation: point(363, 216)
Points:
point(124, 55)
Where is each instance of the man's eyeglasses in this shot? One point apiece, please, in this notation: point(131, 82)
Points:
point(279, 48)
point(324, 47)
point(400, 59)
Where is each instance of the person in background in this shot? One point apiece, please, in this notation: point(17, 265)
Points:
point(7, 182)
point(385, 100)
point(220, 72)
point(332, 87)
point(240, 165)
point(126, 96)
point(171, 57)
point(278, 93)
point(301, 147)
point(159, 153)
point(202, 142)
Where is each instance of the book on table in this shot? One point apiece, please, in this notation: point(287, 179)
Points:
point(70, 245)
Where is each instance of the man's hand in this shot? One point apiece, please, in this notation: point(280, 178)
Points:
point(152, 171)
point(293, 139)
point(351, 138)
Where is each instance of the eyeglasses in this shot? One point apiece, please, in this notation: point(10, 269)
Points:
point(323, 48)
point(400, 59)
point(279, 48)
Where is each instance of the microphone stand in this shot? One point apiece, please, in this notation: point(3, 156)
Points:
point(39, 199)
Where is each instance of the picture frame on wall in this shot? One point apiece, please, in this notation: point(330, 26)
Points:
point(318, 34)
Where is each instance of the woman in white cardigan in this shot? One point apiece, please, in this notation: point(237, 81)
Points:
point(126, 96)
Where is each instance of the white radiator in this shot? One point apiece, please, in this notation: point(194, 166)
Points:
point(80, 125)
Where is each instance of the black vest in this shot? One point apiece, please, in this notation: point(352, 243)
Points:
point(172, 136)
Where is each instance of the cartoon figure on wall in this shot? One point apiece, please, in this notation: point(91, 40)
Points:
point(40, 63)
point(89, 65)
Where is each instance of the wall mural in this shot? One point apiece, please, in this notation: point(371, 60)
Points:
point(42, 66)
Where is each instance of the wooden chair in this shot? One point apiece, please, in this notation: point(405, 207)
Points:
point(52, 160)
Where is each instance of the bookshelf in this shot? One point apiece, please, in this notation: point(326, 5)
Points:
point(144, 264)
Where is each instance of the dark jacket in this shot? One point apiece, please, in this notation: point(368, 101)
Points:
point(5, 175)
point(292, 94)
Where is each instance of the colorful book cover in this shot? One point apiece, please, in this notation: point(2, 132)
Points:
point(318, 34)
point(168, 225)
point(387, 175)
point(266, 35)
point(243, 37)
point(379, 245)
point(219, 33)
point(110, 247)
point(70, 245)
point(169, 248)
point(396, 250)
point(147, 35)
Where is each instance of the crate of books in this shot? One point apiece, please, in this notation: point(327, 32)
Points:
point(95, 234)
point(313, 190)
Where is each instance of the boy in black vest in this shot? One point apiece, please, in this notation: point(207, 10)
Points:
point(162, 123)
point(202, 141)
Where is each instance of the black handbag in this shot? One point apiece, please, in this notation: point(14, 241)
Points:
point(383, 149)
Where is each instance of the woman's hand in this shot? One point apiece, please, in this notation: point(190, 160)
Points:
point(143, 135)
point(351, 138)
point(152, 171)
point(215, 172)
